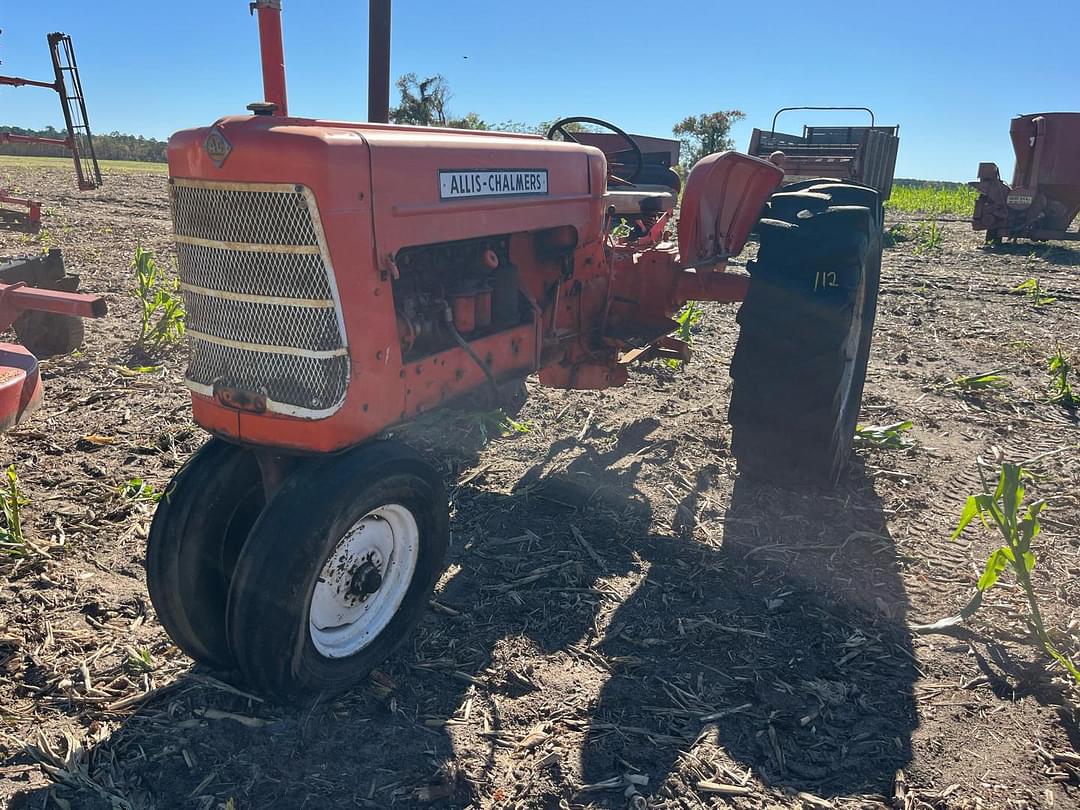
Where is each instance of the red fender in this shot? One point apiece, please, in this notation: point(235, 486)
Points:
point(721, 203)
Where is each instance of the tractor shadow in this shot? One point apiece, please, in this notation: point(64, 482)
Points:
point(779, 647)
point(762, 632)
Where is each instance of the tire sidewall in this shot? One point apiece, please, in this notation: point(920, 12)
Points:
point(279, 567)
point(871, 286)
point(187, 585)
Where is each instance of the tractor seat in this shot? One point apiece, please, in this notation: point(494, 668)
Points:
point(632, 201)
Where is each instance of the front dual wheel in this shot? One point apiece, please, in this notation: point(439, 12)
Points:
point(329, 576)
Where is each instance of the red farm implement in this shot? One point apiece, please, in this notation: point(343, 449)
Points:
point(1044, 197)
point(342, 278)
point(78, 142)
point(39, 300)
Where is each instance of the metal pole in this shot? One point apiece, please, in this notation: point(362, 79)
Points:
point(273, 53)
point(379, 61)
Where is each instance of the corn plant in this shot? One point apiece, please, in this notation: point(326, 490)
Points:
point(884, 437)
point(1061, 392)
point(979, 382)
point(162, 309)
point(1018, 524)
point(933, 200)
point(12, 540)
point(896, 234)
point(687, 319)
point(928, 237)
point(1034, 291)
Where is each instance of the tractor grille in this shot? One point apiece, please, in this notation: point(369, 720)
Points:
point(262, 309)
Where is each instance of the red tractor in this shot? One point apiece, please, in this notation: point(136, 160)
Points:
point(343, 278)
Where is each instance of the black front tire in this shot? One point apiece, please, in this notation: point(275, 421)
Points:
point(301, 530)
point(806, 328)
point(198, 529)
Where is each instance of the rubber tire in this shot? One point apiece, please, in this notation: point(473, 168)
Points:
point(47, 334)
point(269, 600)
point(792, 413)
point(200, 525)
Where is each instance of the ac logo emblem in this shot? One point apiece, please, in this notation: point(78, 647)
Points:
point(217, 147)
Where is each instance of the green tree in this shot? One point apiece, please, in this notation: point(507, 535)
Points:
point(704, 134)
point(423, 101)
point(468, 121)
point(426, 103)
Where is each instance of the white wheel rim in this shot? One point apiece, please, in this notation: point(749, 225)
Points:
point(364, 581)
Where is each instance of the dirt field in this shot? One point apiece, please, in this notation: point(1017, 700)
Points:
point(624, 622)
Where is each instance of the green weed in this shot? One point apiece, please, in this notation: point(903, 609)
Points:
point(139, 660)
point(1061, 392)
point(162, 308)
point(884, 437)
point(12, 540)
point(687, 319)
point(925, 236)
point(497, 424)
point(1018, 524)
point(1033, 290)
point(622, 230)
point(136, 489)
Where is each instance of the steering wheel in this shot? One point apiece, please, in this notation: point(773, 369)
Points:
point(639, 159)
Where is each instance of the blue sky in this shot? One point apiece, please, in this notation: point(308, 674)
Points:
point(948, 72)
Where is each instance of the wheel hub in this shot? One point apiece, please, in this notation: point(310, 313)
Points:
point(367, 578)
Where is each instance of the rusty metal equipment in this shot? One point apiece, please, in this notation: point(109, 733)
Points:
point(860, 154)
point(79, 141)
point(39, 299)
point(1044, 197)
point(343, 278)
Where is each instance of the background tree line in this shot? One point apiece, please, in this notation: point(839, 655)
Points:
point(111, 146)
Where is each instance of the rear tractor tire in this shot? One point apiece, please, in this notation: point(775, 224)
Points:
point(805, 333)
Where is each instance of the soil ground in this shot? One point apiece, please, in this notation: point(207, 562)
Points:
point(624, 621)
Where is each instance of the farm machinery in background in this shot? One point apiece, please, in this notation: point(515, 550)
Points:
point(79, 141)
point(1044, 197)
point(38, 298)
point(343, 278)
point(40, 301)
point(860, 154)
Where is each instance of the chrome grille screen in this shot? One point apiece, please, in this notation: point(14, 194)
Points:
point(260, 294)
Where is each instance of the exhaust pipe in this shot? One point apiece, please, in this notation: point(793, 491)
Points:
point(273, 54)
point(379, 61)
